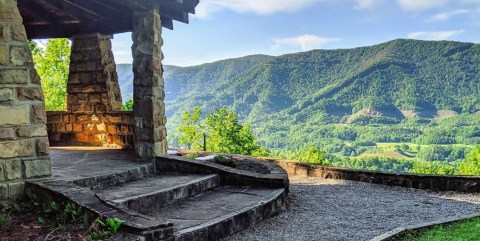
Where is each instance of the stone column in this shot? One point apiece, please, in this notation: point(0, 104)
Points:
point(92, 85)
point(24, 150)
point(148, 86)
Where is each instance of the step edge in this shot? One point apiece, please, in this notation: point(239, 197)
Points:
point(192, 182)
point(276, 194)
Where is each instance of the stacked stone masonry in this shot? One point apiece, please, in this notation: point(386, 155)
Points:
point(93, 115)
point(105, 129)
point(148, 86)
point(24, 147)
point(93, 82)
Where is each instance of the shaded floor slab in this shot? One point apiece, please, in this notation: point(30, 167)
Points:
point(344, 210)
point(79, 162)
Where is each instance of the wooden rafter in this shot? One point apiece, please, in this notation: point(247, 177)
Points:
point(66, 18)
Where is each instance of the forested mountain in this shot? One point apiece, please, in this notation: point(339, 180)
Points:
point(398, 91)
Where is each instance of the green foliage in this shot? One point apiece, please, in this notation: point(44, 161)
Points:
point(4, 220)
point(114, 224)
point(63, 214)
point(103, 229)
point(440, 168)
point(227, 135)
point(52, 65)
point(191, 155)
point(314, 155)
point(191, 129)
point(128, 106)
point(226, 161)
point(472, 165)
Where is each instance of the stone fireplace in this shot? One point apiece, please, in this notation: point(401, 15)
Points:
point(93, 116)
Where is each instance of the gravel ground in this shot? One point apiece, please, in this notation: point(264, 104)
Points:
point(252, 166)
point(343, 210)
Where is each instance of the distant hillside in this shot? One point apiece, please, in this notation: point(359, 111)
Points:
point(382, 84)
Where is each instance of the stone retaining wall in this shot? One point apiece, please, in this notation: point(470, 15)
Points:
point(105, 129)
point(470, 184)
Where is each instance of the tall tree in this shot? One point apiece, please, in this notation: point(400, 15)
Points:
point(52, 65)
point(190, 128)
point(227, 135)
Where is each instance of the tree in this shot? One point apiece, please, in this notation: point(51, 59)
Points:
point(52, 65)
point(190, 128)
point(226, 135)
point(128, 105)
point(472, 165)
point(314, 155)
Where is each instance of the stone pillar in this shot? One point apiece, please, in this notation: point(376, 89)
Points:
point(24, 150)
point(92, 85)
point(148, 86)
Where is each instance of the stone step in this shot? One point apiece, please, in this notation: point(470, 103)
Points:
point(158, 191)
point(218, 213)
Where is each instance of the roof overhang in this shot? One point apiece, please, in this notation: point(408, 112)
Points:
point(67, 18)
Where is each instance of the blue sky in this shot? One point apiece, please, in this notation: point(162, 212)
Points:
point(233, 28)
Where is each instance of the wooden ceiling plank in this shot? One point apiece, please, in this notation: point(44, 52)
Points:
point(137, 5)
point(101, 9)
point(39, 9)
point(72, 6)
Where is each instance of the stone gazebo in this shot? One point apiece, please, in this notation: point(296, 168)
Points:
point(93, 115)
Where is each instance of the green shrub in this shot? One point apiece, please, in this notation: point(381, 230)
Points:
point(191, 155)
point(4, 220)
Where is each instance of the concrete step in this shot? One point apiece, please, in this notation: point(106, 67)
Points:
point(218, 213)
point(158, 191)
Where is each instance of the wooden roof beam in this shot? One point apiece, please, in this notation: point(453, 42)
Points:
point(101, 9)
point(39, 11)
point(174, 10)
point(74, 10)
point(166, 22)
point(189, 5)
point(70, 30)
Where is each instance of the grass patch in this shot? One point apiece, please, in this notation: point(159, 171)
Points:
point(468, 230)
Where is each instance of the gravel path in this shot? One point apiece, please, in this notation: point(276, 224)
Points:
point(343, 210)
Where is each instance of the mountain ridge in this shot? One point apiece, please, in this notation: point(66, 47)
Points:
point(386, 83)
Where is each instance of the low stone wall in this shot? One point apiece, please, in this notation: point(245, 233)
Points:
point(470, 184)
point(277, 178)
point(106, 129)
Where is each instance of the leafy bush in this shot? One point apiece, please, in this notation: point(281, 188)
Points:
point(191, 155)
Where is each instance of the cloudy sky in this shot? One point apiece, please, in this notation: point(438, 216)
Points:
point(232, 28)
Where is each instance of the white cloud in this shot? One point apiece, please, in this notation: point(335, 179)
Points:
point(304, 42)
point(363, 4)
point(420, 5)
point(435, 35)
point(447, 15)
point(208, 7)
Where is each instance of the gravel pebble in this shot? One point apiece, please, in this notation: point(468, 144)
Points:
point(343, 210)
